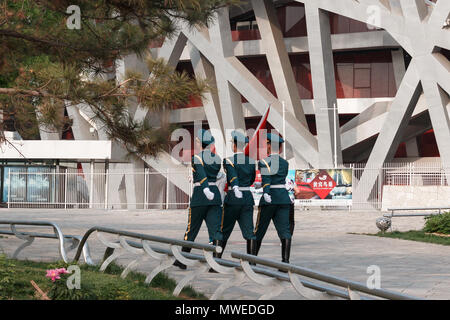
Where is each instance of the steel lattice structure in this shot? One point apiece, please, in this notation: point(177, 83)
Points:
point(416, 26)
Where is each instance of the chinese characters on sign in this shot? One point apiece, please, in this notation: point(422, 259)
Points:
point(321, 186)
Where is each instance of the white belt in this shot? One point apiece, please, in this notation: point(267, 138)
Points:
point(278, 186)
point(240, 188)
point(197, 184)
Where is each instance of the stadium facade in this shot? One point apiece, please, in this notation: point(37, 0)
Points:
point(348, 81)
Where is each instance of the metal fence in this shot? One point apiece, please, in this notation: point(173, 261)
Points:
point(70, 189)
point(171, 189)
point(431, 173)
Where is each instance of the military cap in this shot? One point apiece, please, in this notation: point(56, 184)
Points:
point(238, 137)
point(205, 137)
point(273, 137)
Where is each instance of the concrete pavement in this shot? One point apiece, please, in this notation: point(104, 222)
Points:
point(322, 241)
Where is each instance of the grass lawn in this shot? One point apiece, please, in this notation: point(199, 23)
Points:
point(15, 277)
point(414, 235)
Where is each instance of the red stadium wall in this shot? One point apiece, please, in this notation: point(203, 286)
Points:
point(297, 28)
point(367, 74)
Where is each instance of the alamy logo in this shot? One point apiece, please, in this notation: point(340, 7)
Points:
point(374, 280)
point(74, 281)
point(74, 20)
point(374, 17)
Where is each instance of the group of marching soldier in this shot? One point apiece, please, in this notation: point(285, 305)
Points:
point(206, 201)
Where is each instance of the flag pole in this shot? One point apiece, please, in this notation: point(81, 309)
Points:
point(335, 137)
point(284, 128)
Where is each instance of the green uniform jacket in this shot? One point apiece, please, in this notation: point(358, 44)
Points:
point(274, 170)
point(241, 171)
point(205, 167)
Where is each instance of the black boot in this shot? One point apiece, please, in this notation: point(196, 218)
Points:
point(251, 249)
point(218, 243)
point(285, 251)
point(292, 219)
point(178, 263)
point(258, 246)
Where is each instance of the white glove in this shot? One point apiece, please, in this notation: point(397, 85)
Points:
point(292, 198)
point(208, 194)
point(237, 192)
point(267, 197)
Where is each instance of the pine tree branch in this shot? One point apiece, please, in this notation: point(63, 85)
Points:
point(15, 34)
point(16, 91)
point(116, 88)
point(56, 44)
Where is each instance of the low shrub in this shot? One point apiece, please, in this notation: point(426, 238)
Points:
point(438, 223)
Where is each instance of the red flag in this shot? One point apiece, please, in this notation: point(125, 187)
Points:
point(252, 148)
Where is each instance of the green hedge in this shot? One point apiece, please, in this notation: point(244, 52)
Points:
point(438, 223)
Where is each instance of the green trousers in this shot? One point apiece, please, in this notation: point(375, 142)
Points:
point(213, 216)
point(243, 214)
point(280, 216)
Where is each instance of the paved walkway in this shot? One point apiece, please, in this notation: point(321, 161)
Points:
point(322, 241)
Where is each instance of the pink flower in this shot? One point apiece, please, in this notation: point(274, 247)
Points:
point(53, 274)
point(62, 271)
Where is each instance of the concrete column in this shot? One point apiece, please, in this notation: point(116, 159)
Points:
point(396, 8)
point(438, 100)
point(49, 133)
point(204, 70)
point(131, 63)
point(414, 9)
point(393, 128)
point(278, 58)
point(80, 127)
point(323, 78)
point(279, 64)
point(258, 96)
point(134, 184)
point(170, 51)
point(88, 115)
point(438, 103)
point(440, 13)
point(229, 96)
point(398, 62)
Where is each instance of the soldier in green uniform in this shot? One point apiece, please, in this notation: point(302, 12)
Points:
point(275, 203)
point(238, 204)
point(206, 201)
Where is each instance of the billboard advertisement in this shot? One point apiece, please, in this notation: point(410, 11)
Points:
point(332, 186)
point(315, 186)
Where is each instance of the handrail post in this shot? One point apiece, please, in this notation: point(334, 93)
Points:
point(65, 188)
point(167, 189)
point(91, 184)
point(9, 187)
point(145, 188)
point(106, 183)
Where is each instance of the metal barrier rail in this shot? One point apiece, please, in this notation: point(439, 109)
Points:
point(294, 270)
point(240, 271)
point(232, 268)
point(439, 209)
point(144, 251)
point(29, 237)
